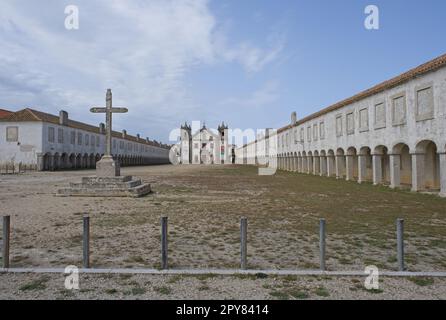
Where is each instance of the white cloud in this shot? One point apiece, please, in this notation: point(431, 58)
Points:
point(141, 49)
point(265, 95)
point(253, 58)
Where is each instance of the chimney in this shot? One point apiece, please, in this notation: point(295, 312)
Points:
point(138, 136)
point(293, 118)
point(63, 118)
point(124, 133)
point(102, 128)
point(147, 139)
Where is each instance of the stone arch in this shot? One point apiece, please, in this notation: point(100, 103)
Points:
point(426, 166)
point(331, 163)
point(56, 161)
point(351, 164)
point(65, 161)
point(299, 161)
point(381, 165)
point(283, 161)
point(310, 162)
point(340, 164)
point(78, 161)
point(316, 162)
point(304, 162)
point(365, 164)
point(72, 161)
point(92, 161)
point(47, 161)
point(323, 163)
point(400, 166)
point(85, 161)
point(287, 160)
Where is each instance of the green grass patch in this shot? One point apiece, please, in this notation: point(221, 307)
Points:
point(163, 290)
point(322, 292)
point(422, 281)
point(35, 285)
point(280, 295)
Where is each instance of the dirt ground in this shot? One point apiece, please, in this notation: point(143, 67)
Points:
point(37, 286)
point(204, 206)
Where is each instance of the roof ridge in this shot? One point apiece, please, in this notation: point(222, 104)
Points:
point(390, 83)
point(32, 113)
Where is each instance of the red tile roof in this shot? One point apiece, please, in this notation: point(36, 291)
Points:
point(4, 113)
point(29, 114)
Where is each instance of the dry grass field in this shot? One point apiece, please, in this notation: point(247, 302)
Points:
point(204, 206)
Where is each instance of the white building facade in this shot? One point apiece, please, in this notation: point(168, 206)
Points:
point(392, 134)
point(205, 146)
point(36, 140)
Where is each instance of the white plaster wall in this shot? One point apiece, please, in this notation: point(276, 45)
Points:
point(137, 149)
point(411, 133)
point(27, 147)
point(33, 140)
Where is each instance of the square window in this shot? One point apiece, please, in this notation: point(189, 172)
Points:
point(380, 115)
point(350, 123)
point(51, 134)
point(12, 134)
point(339, 125)
point(425, 103)
point(399, 110)
point(322, 130)
point(60, 135)
point(363, 120)
point(73, 137)
point(79, 138)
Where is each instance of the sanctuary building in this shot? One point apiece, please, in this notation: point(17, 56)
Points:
point(36, 140)
point(393, 134)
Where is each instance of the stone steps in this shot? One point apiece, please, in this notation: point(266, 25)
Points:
point(122, 186)
point(117, 185)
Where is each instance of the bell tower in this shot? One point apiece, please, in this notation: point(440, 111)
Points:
point(186, 144)
point(224, 152)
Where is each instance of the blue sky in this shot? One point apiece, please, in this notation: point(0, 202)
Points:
point(249, 63)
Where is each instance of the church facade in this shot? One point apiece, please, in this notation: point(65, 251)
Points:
point(35, 140)
point(205, 146)
point(392, 134)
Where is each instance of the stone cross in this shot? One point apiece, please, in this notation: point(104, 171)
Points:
point(108, 110)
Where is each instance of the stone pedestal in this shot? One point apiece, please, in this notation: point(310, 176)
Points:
point(108, 167)
point(107, 183)
point(122, 186)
